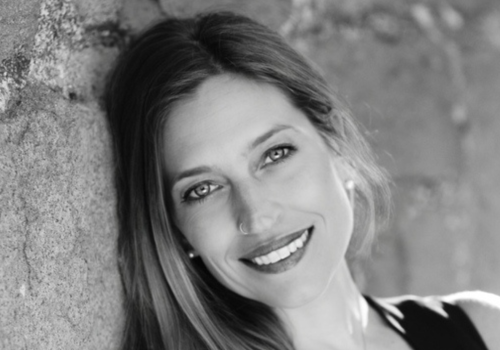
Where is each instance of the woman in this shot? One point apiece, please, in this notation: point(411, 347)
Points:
point(243, 185)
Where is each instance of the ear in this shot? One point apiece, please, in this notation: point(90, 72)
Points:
point(344, 168)
point(184, 242)
point(186, 246)
point(190, 251)
point(192, 254)
point(346, 175)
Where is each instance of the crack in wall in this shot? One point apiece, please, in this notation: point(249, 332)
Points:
point(24, 209)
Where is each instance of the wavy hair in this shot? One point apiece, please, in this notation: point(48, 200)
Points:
point(173, 302)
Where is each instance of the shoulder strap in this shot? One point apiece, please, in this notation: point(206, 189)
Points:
point(429, 323)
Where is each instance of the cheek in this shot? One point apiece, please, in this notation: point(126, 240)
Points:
point(313, 182)
point(319, 190)
point(206, 231)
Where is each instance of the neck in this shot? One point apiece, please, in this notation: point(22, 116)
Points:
point(335, 320)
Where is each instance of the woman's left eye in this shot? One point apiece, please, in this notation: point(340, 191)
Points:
point(278, 154)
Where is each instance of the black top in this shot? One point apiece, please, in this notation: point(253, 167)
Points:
point(429, 323)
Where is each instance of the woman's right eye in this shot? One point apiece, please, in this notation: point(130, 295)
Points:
point(199, 192)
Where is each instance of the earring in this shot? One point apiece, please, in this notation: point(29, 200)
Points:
point(349, 187)
point(242, 230)
point(192, 254)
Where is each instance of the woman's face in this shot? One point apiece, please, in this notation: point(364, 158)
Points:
point(238, 152)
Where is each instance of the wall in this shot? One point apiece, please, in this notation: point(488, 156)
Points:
point(422, 76)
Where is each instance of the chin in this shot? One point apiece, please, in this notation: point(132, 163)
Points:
point(297, 293)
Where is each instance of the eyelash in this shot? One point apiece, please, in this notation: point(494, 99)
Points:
point(286, 147)
point(291, 150)
point(188, 200)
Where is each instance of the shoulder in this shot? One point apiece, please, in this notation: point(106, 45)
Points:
point(484, 311)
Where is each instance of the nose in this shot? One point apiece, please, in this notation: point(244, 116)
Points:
point(257, 210)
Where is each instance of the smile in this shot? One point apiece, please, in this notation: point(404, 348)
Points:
point(281, 255)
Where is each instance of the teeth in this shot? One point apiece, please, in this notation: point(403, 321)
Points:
point(274, 257)
point(299, 243)
point(282, 253)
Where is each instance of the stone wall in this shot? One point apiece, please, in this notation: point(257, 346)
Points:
point(422, 76)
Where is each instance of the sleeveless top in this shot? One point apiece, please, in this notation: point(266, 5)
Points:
point(428, 323)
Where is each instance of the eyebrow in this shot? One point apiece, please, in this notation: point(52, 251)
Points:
point(205, 169)
point(191, 172)
point(263, 138)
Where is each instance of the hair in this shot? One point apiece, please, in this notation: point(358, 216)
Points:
point(173, 302)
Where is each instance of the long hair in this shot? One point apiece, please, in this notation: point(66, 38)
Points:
point(173, 302)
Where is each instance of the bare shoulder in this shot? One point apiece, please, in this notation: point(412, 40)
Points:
point(484, 311)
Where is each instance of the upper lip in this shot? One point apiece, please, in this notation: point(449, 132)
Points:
point(269, 246)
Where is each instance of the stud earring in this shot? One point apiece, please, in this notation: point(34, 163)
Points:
point(349, 187)
point(242, 230)
point(192, 254)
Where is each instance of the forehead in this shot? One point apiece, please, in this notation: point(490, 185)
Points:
point(221, 117)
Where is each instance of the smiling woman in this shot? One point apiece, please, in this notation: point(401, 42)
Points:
point(243, 184)
point(267, 171)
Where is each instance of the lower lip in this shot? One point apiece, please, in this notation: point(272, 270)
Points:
point(285, 264)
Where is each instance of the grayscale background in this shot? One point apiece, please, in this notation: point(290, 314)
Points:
point(423, 77)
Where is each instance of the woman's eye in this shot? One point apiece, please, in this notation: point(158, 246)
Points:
point(277, 154)
point(199, 192)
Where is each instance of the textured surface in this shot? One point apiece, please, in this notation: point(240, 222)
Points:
point(271, 13)
point(423, 78)
point(59, 284)
point(59, 287)
point(18, 21)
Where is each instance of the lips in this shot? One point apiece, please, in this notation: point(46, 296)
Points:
point(268, 247)
point(279, 255)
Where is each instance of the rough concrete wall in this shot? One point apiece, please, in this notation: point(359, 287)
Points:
point(59, 287)
point(422, 76)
